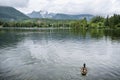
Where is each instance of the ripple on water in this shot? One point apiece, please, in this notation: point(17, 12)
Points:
point(42, 56)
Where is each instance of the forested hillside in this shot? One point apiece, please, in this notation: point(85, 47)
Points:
point(10, 13)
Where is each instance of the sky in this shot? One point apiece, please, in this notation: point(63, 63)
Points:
point(95, 7)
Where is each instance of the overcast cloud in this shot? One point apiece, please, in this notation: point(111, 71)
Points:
point(96, 7)
point(14, 3)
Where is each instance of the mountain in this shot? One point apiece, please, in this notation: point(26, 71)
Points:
point(45, 14)
point(10, 13)
point(41, 14)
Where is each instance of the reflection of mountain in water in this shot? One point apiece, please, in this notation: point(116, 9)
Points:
point(9, 38)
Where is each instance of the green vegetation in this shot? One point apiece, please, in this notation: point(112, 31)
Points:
point(114, 21)
point(97, 22)
point(11, 14)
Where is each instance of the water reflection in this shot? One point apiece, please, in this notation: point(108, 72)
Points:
point(97, 33)
point(59, 54)
point(9, 38)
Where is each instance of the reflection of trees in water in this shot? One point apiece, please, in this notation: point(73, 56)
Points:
point(93, 33)
point(8, 38)
point(113, 34)
point(79, 32)
point(97, 33)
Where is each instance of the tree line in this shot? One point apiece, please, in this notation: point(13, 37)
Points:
point(96, 22)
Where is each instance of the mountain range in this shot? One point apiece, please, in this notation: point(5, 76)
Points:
point(45, 14)
point(10, 13)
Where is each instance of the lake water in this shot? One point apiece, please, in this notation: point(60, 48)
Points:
point(59, 54)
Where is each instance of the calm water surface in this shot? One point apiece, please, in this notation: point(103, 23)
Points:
point(59, 54)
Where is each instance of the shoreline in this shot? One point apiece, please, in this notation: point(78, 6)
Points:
point(31, 28)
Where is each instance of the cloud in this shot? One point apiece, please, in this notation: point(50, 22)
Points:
point(96, 7)
point(14, 3)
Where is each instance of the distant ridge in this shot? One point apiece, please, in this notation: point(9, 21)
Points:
point(45, 14)
point(10, 13)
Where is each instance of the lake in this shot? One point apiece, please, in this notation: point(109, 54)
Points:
point(58, 54)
